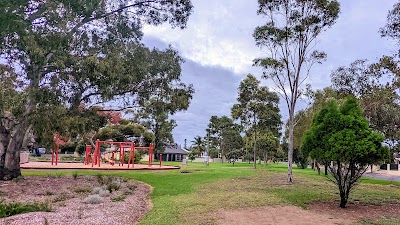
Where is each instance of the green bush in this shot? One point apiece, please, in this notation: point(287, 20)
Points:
point(10, 209)
point(138, 157)
point(75, 175)
point(119, 198)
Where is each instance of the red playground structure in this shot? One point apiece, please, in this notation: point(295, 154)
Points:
point(95, 157)
point(123, 147)
point(54, 152)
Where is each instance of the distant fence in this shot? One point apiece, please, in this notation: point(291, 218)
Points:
point(392, 166)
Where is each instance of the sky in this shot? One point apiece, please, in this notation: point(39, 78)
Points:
point(218, 48)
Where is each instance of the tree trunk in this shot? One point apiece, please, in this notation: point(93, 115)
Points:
point(12, 136)
point(326, 169)
point(254, 152)
point(222, 155)
point(4, 140)
point(265, 159)
point(255, 144)
point(318, 168)
point(344, 196)
point(290, 147)
point(10, 166)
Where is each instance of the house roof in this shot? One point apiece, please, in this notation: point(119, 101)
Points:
point(175, 149)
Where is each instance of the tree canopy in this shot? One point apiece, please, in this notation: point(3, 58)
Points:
point(290, 34)
point(257, 110)
point(73, 56)
point(341, 135)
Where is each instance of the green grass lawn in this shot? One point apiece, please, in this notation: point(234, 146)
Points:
point(185, 196)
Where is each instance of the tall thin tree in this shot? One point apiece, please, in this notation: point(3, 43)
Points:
point(290, 35)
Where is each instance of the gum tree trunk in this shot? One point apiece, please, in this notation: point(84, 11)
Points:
point(290, 147)
point(4, 139)
point(265, 159)
point(12, 135)
point(254, 145)
point(10, 153)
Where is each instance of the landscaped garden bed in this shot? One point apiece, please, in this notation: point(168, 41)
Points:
point(73, 200)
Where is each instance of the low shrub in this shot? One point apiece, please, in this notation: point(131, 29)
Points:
point(100, 178)
point(138, 157)
point(131, 186)
point(119, 198)
point(48, 193)
point(104, 193)
point(61, 197)
point(96, 190)
point(10, 209)
point(93, 199)
point(75, 175)
point(82, 190)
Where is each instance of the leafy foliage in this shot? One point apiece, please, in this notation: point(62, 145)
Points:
point(342, 135)
point(198, 144)
point(257, 110)
point(379, 100)
point(232, 144)
point(11, 209)
point(289, 35)
point(216, 128)
point(72, 57)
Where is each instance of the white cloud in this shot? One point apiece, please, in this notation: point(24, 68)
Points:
point(219, 46)
point(218, 33)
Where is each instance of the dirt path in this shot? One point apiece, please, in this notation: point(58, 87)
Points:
point(274, 215)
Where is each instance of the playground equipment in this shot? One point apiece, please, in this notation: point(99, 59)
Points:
point(95, 157)
point(54, 152)
point(122, 147)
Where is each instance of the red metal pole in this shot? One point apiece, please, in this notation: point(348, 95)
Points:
point(133, 155)
point(93, 158)
point(112, 158)
point(129, 157)
point(57, 148)
point(160, 160)
point(87, 154)
point(122, 154)
point(99, 155)
point(150, 154)
point(52, 155)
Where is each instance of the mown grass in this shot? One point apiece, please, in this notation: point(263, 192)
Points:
point(190, 195)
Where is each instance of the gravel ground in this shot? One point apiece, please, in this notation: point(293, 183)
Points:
point(72, 210)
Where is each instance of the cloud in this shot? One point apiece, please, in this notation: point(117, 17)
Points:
point(218, 33)
point(219, 48)
point(215, 93)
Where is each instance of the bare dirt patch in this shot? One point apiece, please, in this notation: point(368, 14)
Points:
point(273, 215)
point(125, 205)
point(355, 210)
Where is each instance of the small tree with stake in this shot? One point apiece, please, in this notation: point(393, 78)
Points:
point(341, 135)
